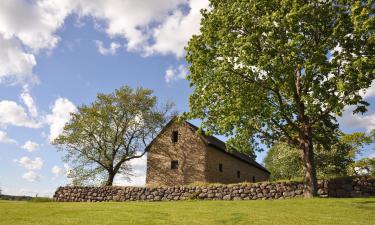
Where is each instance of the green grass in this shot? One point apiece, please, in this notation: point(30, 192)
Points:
point(290, 211)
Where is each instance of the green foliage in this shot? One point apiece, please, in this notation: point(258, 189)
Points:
point(284, 161)
point(245, 63)
point(359, 211)
point(365, 166)
point(268, 71)
point(102, 137)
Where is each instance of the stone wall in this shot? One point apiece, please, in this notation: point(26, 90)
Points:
point(344, 187)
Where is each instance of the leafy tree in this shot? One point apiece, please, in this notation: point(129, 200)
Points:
point(365, 166)
point(101, 138)
point(266, 71)
point(283, 161)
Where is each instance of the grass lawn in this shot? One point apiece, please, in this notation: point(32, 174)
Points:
point(291, 211)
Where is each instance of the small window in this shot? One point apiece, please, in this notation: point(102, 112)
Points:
point(253, 179)
point(238, 174)
point(174, 164)
point(174, 136)
point(220, 167)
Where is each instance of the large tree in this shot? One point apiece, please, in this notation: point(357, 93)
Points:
point(283, 160)
point(281, 70)
point(101, 138)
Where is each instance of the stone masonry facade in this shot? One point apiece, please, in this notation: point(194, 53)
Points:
point(196, 159)
point(343, 187)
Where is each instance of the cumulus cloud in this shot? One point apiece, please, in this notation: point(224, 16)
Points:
point(30, 164)
point(15, 64)
point(111, 50)
point(30, 146)
point(39, 20)
point(34, 30)
point(138, 177)
point(173, 34)
point(59, 171)
point(13, 114)
point(5, 139)
point(31, 176)
point(59, 117)
point(56, 171)
point(128, 18)
point(370, 92)
point(147, 26)
point(366, 121)
point(174, 74)
point(29, 102)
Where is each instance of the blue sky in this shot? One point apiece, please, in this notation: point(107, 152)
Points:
point(57, 55)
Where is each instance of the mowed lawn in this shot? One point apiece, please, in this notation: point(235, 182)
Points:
point(291, 211)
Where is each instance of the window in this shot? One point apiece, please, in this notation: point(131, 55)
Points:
point(174, 164)
point(220, 167)
point(174, 136)
point(238, 174)
point(253, 179)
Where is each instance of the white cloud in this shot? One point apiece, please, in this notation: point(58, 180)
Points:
point(128, 18)
point(31, 25)
point(138, 171)
point(5, 139)
point(111, 50)
point(34, 23)
point(174, 33)
point(59, 117)
point(147, 26)
point(30, 146)
point(351, 120)
point(57, 171)
point(174, 74)
point(30, 164)
point(31, 176)
point(13, 114)
point(15, 64)
point(369, 92)
point(29, 102)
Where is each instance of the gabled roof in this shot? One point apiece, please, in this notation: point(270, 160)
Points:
point(216, 143)
point(221, 146)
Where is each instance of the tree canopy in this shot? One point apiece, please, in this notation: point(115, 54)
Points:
point(265, 71)
point(365, 166)
point(283, 160)
point(101, 138)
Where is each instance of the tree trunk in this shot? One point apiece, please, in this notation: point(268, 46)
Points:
point(306, 147)
point(111, 177)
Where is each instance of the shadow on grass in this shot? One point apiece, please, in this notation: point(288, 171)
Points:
point(366, 205)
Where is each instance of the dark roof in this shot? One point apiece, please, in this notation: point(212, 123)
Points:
point(220, 145)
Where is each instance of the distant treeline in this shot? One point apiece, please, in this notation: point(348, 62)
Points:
point(15, 198)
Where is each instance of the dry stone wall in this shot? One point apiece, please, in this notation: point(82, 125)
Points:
point(344, 187)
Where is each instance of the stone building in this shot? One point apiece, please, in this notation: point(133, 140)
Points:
point(179, 155)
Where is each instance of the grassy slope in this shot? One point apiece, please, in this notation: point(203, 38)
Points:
point(292, 211)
